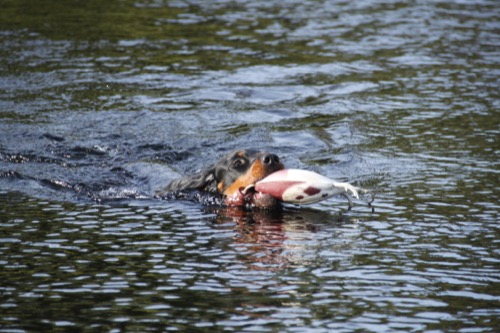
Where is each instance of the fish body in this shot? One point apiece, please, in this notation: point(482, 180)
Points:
point(303, 187)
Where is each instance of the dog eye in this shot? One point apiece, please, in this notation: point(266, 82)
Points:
point(238, 163)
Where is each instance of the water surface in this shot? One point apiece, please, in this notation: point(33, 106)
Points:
point(103, 102)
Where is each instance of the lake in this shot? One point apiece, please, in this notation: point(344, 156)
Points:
point(104, 102)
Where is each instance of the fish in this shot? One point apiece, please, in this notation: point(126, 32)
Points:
point(298, 186)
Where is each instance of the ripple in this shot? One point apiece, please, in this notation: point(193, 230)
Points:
point(399, 98)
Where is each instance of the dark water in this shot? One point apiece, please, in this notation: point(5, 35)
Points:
point(102, 102)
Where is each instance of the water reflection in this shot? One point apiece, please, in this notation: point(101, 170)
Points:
point(279, 238)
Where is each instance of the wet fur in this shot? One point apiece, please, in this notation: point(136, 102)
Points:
point(234, 168)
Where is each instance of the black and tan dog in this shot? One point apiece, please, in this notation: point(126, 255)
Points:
point(231, 176)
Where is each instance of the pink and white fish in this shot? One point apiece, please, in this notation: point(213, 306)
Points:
point(303, 187)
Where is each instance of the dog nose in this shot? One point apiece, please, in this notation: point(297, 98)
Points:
point(270, 159)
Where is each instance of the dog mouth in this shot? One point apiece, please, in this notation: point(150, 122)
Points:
point(250, 189)
point(249, 197)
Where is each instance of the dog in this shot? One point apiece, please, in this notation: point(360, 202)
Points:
point(231, 177)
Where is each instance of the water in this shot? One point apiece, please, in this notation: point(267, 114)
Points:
point(105, 102)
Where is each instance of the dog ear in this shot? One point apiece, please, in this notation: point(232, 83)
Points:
point(202, 181)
